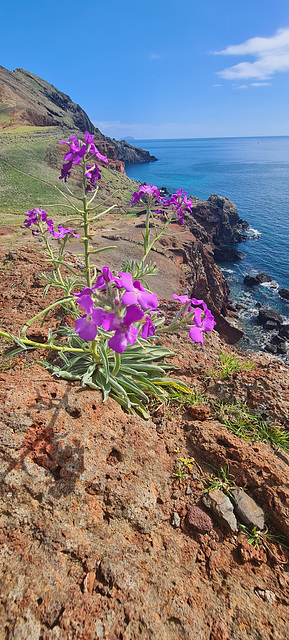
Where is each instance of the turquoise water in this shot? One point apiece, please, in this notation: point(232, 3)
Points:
point(253, 173)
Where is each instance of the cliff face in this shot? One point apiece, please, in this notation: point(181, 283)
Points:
point(26, 99)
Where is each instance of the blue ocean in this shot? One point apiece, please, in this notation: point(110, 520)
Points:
point(254, 174)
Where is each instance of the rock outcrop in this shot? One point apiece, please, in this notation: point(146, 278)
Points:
point(220, 219)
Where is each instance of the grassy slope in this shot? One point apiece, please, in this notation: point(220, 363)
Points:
point(34, 150)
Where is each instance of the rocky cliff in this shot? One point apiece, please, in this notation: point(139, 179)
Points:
point(26, 99)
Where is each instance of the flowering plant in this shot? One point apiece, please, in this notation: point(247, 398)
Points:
point(116, 317)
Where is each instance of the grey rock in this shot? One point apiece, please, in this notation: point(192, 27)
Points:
point(266, 595)
point(284, 331)
point(222, 508)
point(248, 510)
point(269, 315)
point(188, 491)
point(284, 293)
point(176, 520)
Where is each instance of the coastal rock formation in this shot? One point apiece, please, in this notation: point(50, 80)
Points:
point(259, 278)
point(26, 99)
point(220, 219)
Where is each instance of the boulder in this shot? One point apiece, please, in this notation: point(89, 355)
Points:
point(284, 293)
point(251, 281)
point(259, 278)
point(270, 315)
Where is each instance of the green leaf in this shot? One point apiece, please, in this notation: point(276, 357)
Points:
point(105, 363)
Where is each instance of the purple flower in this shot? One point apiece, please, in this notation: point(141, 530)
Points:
point(148, 328)
point(208, 323)
point(195, 301)
point(145, 189)
point(124, 331)
point(88, 138)
point(95, 152)
point(182, 299)
point(86, 326)
point(105, 277)
point(61, 233)
point(65, 171)
point(92, 174)
point(136, 294)
point(34, 216)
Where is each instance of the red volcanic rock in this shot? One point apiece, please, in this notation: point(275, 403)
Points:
point(199, 520)
point(199, 412)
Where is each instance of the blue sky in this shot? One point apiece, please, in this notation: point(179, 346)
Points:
point(160, 68)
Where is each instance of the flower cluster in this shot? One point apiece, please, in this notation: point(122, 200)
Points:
point(79, 150)
point(145, 189)
point(178, 202)
point(200, 324)
point(122, 306)
point(36, 216)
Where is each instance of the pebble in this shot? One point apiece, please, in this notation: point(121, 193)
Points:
point(176, 520)
point(267, 596)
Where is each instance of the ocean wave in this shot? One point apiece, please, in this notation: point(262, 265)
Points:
point(252, 233)
point(227, 270)
point(270, 285)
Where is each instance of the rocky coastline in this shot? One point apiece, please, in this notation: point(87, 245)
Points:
point(217, 228)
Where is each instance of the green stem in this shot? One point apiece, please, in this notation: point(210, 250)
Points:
point(55, 304)
point(86, 237)
point(41, 345)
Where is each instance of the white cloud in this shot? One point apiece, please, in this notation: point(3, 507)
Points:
point(271, 56)
point(260, 84)
point(154, 56)
point(217, 85)
point(243, 86)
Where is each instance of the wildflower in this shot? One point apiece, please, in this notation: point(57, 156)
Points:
point(62, 232)
point(182, 299)
point(136, 294)
point(92, 173)
point(124, 332)
point(207, 324)
point(86, 326)
point(145, 189)
point(148, 329)
point(105, 277)
point(34, 216)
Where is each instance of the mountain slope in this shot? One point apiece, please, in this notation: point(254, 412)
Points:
point(26, 99)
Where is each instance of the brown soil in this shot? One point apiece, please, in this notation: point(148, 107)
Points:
point(95, 539)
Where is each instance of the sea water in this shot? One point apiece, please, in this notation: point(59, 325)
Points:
point(254, 174)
